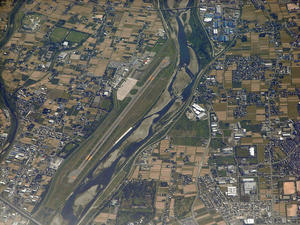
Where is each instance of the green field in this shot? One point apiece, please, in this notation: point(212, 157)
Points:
point(58, 34)
point(206, 220)
point(165, 49)
point(199, 41)
point(227, 133)
point(183, 206)
point(125, 217)
point(157, 47)
point(217, 142)
point(187, 132)
point(260, 153)
point(201, 212)
point(76, 36)
point(242, 152)
point(189, 141)
point(133, 91)
point(69, 146)
point(250, 127)
point(136, 202)
point(106, 104)
point(221, 160)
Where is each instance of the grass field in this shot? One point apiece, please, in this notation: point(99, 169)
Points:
point(18, 19)
point(222, 160)
point(279, 154)
point(163, 50)
point(201, 212)
point(157, 47)
point(76, 36)
point(59, 34)
point(216, 143)
point(133, 91)
point(189, 141)
point(292, 110)
point(200, 42)
point(241, 152)
point(182, 206)
point(227, 133)
point(125, 217)
point(260, 153)
point(187, 132)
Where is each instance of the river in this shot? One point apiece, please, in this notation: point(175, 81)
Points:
point(9, 101)
point(104, 177)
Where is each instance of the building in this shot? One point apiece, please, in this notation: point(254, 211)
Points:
point(231, 191)
point(249, 186)
point(249, 221)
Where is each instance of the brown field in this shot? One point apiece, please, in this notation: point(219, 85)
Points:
point(246, 84)
point(100, 68)
point(220, 107)
point(222, 115)
point(248, 13)
point(289, 188)
point(280, 207)
point(135, 173)
point(255, 85)
point(298, 186)
point(165, 174)
point(104, 217)
point(29, 38)
point(292, 109)
point(260, 117)
point(285, 37)
point(228, 79)
point(221, 223)
point(264, 193)
point(260, 111)
point(291, 210)
point(190, 188)
point(296, 76)
point(160, 206)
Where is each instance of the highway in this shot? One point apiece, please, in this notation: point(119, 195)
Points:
point(111, 129)
point(20, 211)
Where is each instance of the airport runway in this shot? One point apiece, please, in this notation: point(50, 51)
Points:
point(75, 173)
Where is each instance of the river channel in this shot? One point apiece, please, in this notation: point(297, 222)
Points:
point(104, 177)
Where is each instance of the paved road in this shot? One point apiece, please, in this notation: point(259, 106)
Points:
point(20, 211)
point(162, 9)
point(74, 174)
